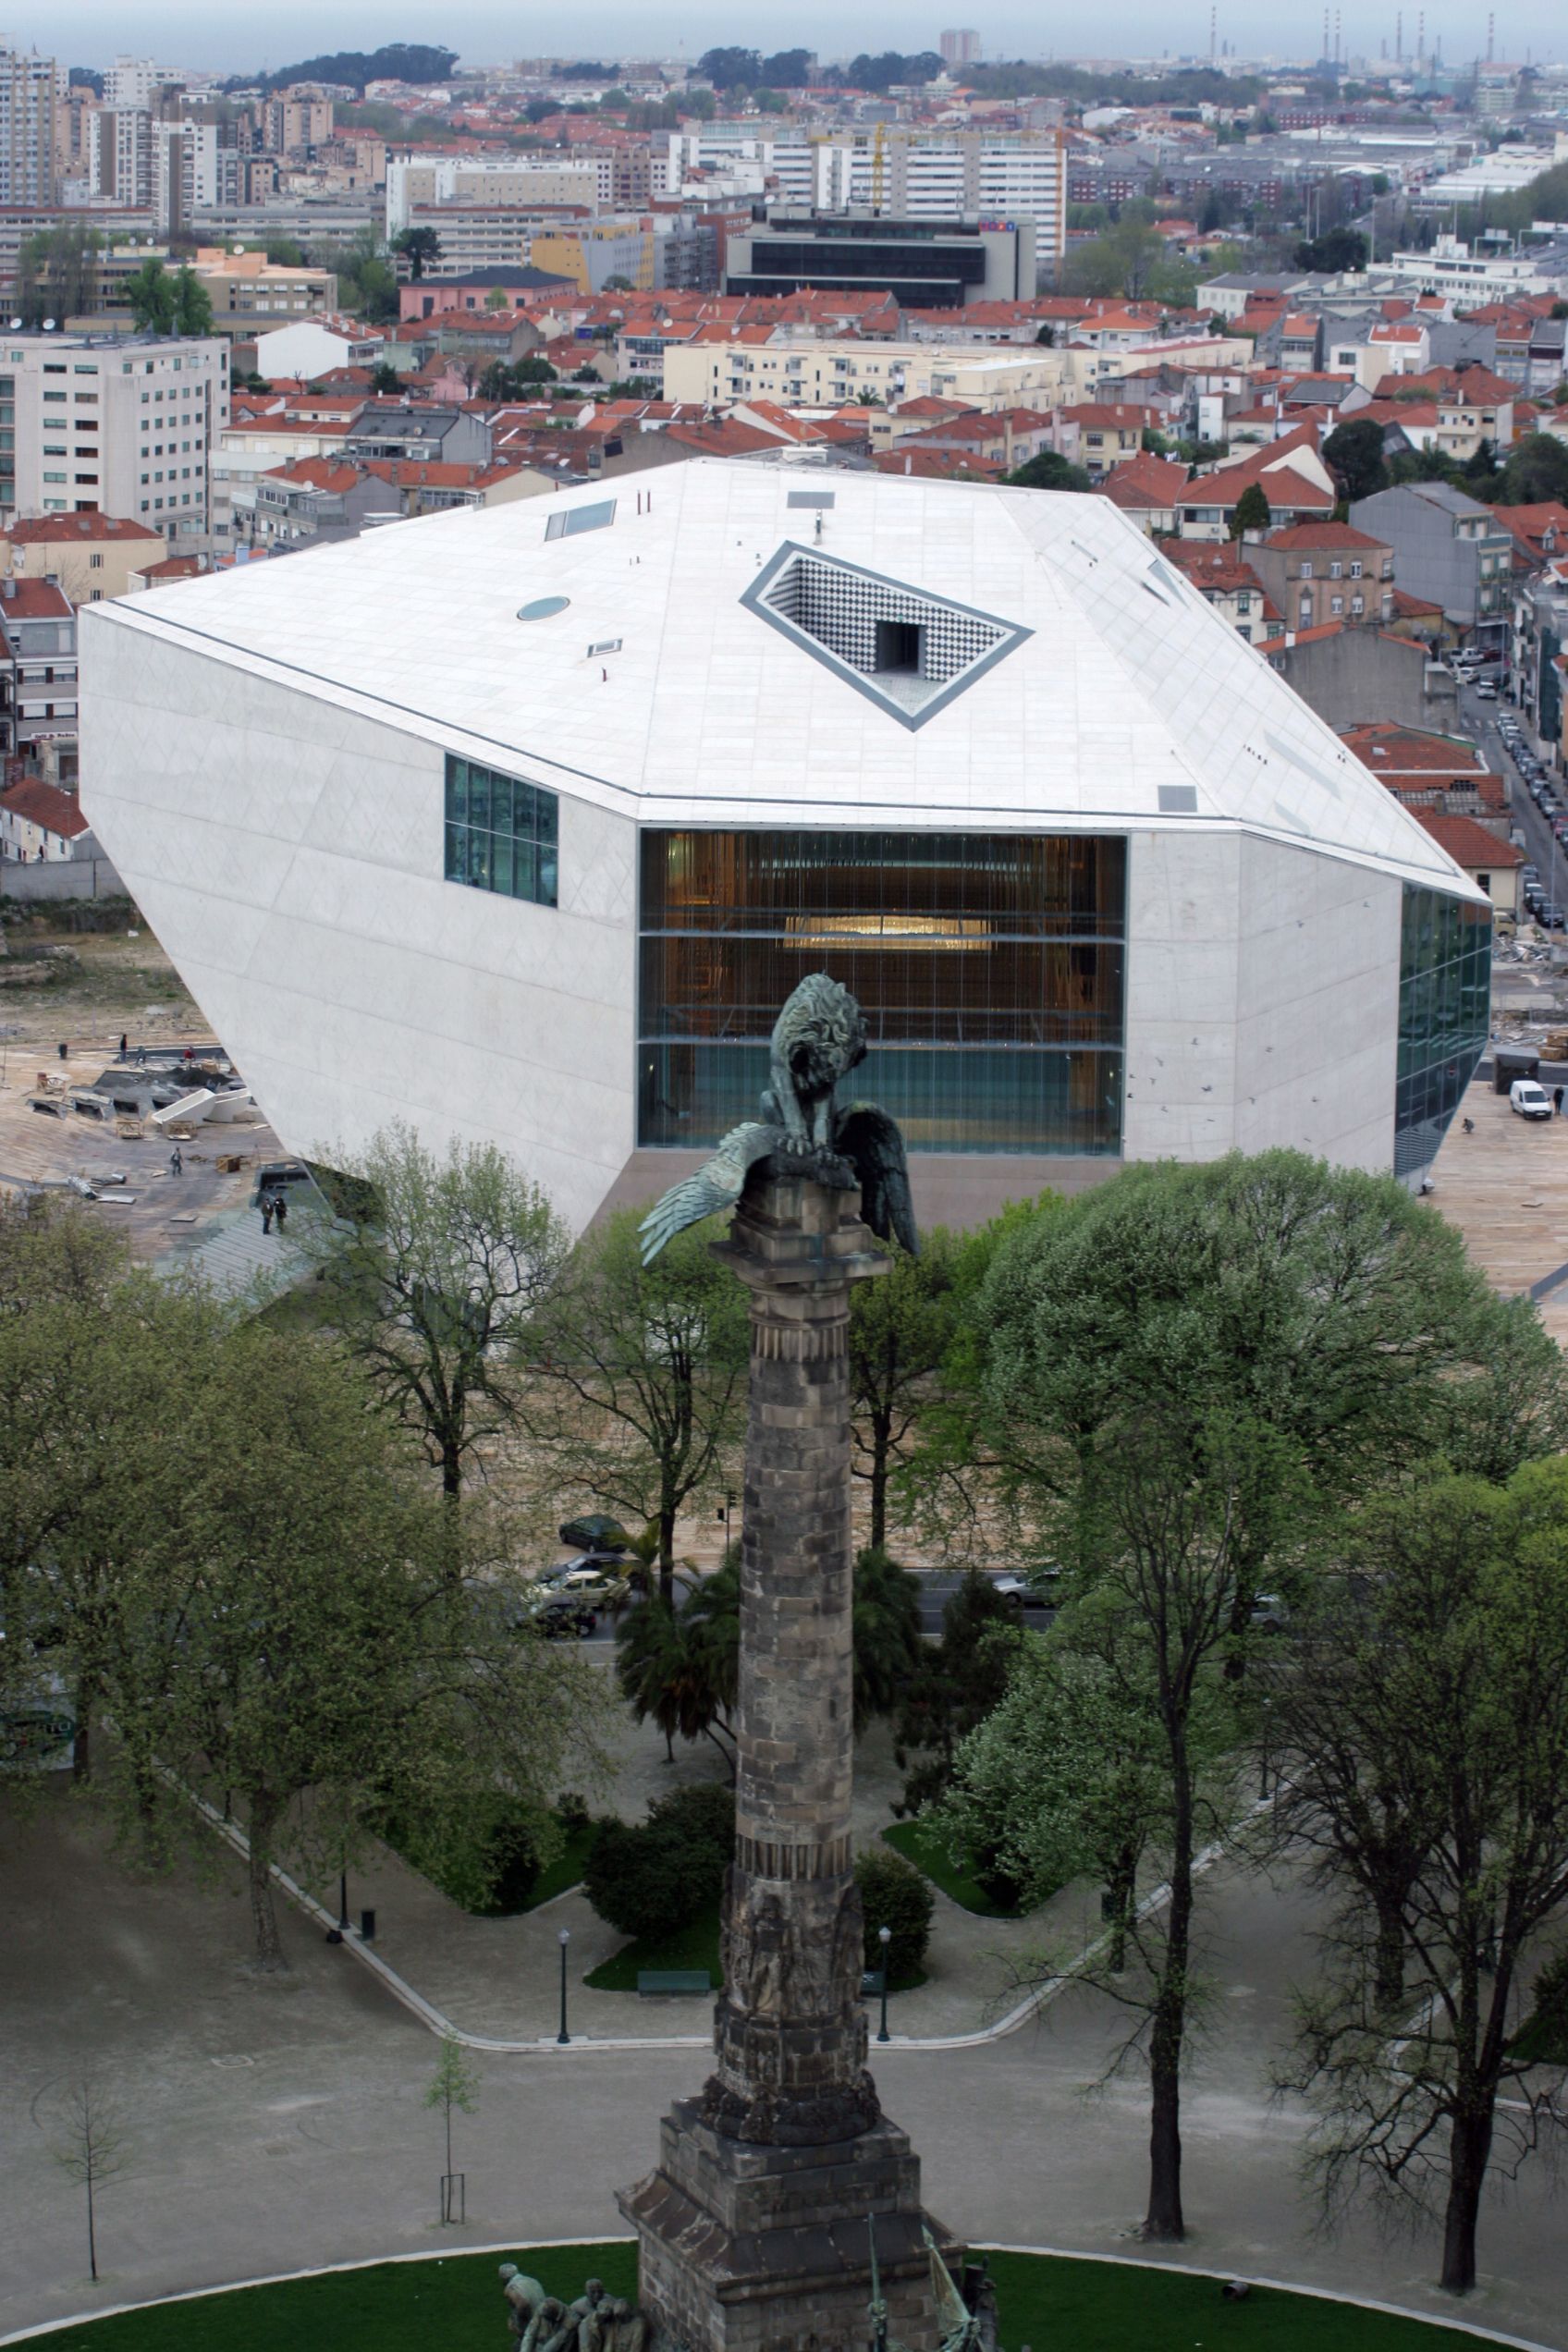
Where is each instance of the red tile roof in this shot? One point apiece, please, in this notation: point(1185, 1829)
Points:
point(34, 600)
point(1311, 535)
point(1388, 749)
point(54, 529)
point(1467, 843)
point(46, 805)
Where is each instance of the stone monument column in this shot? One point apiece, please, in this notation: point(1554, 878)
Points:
point(753, 2230)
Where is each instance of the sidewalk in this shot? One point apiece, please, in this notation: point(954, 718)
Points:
point(500, 1978)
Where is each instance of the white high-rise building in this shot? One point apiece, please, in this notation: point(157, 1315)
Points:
point(116, 425)
point(960, 48)
point(131, 82)
point(29, 90)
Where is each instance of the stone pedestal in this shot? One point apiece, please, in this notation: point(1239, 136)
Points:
point(753, 2229)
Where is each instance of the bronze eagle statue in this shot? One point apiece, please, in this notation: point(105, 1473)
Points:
point(817, 1039)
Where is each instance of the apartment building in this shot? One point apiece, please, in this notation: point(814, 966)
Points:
point(923, 263)
point(1448, 548)
point(31, 89)
point(38, 679)
point(1323, 571)
point(415, 182)
point(113, 425)
point(829, 375)
point(88, 557)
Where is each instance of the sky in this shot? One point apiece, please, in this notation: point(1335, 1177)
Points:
point(195, 33)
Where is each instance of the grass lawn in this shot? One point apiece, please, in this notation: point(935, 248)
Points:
point(692, 1947)
point(1542, 2041)
point(565, 1871)
point(927, 1852)
point(412, 2306)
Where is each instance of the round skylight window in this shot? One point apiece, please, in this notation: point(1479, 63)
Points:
point(543, 607)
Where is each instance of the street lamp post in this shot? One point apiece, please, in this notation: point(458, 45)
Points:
point(884, 1937)
point(563, 2037)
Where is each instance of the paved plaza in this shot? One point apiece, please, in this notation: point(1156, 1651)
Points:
point(280, 2125)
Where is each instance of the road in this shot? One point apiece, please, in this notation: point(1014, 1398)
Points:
point(936, 1587)
point(1479, 719)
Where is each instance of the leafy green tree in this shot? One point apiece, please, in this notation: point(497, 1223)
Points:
point(956, 1684)
point(1337, 250)
point(454, 2087)
point(1251, 512)
point(433, 1281)
point(890, 1644)
point(384, 379)
point(730, 68)
point(1061, 1780)
point(150, 296)
point(1535, 471)
point(894, 1895)
point(286, 252)
point(192, 304)
point(638, 1377)
point(57, 273)
point(420, 247)
point(900, 1329)
point(1447, 1641)
point(1049, 471)
point(1353, 454)
point(787, 69)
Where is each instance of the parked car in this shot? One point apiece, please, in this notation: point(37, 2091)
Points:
point(1036, 1589)
point(1529, 1098)
point(1269, 1613)
point(595, 1582)
point(561, 1617)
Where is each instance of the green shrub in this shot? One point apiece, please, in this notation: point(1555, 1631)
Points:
point(571, 1811)
point(894, 1895)
point(649, 1879)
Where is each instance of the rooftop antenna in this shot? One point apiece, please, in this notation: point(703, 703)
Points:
point(1491, 40)
point(1337, 44)
point(1421, 42)
point(1213, 16)
point(1399, 38)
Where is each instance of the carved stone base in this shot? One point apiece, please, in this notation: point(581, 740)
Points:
point(747, 2249)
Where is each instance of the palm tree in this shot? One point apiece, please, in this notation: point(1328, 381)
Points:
point(680, 1666)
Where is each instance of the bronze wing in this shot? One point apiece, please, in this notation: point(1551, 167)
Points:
point(870, 1141)
point(717, 1184)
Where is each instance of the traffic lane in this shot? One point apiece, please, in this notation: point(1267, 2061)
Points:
point(1542, 849)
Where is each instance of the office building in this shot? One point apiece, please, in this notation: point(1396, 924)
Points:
point(925, 265)
point(521, 824)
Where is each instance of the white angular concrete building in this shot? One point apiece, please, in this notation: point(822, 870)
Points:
point(521, 824)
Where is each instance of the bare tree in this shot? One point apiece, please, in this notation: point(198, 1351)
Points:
point(91, 2147)
point(454, 2086)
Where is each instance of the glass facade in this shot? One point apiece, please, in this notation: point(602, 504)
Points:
point(990, 968)
point(1445, 975)
point(501, 833)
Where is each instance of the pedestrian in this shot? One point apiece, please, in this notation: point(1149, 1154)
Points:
point(280, 1210)
point(266, 1212)
point(63, 1049)
point(176, 1163)
point(141, 1057)
point(122, 1045)
point(1557, 1102)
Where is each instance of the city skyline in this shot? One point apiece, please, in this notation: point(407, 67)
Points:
point(185, 34)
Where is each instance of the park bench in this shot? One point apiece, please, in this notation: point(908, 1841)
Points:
point(656, 1980)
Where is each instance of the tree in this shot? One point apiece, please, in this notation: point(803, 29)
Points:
point(900, 1329)
point(638, 1377)
point(384, 378)
point(1061, 1781)
point(92, 2148)
point(681, 1665)
point(1353, 454)
point(420, 247)
point(650, 1879)
point(192, 304)
point(955, 1685)
point(1047, 336)
point(150, 296)
point(1535, 471)
point(1446, 1634)
point(1337, 250)
point(1251, 512)
point(894, 1895)
point(730, 68)
point(58, 273)
point(890, 1643)
point(454, 2085)
point(286, 252)
point(435, 1279)
point(334, 1664)
point(1049, 471)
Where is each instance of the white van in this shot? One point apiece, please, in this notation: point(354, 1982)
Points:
point(1530, 1101)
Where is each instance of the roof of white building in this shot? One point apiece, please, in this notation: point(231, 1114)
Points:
point(1086, 682)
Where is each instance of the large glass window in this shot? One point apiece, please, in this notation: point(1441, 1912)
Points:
point(990, 968)
point(1444, 1011)
point(501, 833)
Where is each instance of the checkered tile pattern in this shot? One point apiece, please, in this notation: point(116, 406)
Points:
point(841, 608)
